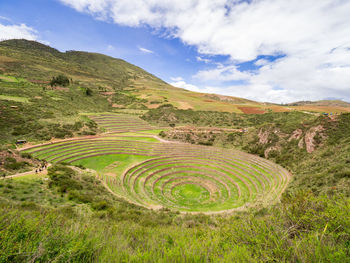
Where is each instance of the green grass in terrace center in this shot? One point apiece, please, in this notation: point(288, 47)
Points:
point(122, 161)
point(190, 193)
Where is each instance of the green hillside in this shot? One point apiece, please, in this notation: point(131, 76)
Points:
point(125, 85)
point(101, 161)
point(37, 61)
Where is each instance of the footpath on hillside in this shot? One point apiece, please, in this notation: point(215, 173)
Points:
point(34, 171)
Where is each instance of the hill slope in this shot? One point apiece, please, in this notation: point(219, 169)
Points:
point(39, 63)
point(334, 103)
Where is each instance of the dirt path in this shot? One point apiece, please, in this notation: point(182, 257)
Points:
point(312, 113)
point(162, 140)
point(44, 172)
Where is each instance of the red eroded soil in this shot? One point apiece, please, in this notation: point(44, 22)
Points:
point(279, 108)
point(251, 110)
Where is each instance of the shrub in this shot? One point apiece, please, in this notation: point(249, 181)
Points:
point(61, 80)
point(80, 166)
point(10, 160)
point(26, 155)
point(79, 196)
point(12, 164)
point(88, 92)
point(15, 166)
point(343, 174)
point(207, 143)
point(155, 102)
point(61, 177)
point(101, 205)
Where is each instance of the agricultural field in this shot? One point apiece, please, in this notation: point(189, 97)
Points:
point(160, 174)
point(119, 123)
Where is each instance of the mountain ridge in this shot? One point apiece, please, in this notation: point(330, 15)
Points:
point(39, 62)
point(339, 103)
point(31, 59)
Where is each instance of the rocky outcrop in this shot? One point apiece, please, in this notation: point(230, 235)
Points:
point(301, 144)
point(171, 117)
point(296, 135)
point(273, 148)
point(310, 138)
point(263, 136)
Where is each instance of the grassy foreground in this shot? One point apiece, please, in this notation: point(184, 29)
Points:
point(72, 218)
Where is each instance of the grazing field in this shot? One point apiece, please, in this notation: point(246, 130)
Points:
point(157, 174)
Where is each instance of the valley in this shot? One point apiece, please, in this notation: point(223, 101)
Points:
point(140, 171)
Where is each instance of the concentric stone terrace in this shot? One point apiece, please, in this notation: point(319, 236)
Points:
point(180, 176)
point(202, 179)
point(117, 123)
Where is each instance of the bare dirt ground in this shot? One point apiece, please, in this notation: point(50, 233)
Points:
point(251, 110)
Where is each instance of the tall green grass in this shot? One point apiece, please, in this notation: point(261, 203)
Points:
point(304, 228)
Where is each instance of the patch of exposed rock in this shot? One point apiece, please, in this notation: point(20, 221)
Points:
point(169, 118)
point(269, 149)
point(301, 144)
point(310, 138)
point(296, 135)
point(305, 139)
point(263, 136)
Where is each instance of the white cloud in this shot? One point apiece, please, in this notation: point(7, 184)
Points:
point(5, 18)
point(18, 32)
point(145, 50)
point(222, 73)
point(313, 35)
point(182, 84)
point(261, 62)
point(205, 60)
point(110, 48)
point(176, 78)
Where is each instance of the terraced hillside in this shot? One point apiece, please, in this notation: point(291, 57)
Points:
point(157, 174)
point(119, 123)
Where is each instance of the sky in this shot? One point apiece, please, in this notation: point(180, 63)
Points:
point(265, 50)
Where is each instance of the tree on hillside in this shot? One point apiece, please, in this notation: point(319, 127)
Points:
point(88, 92)
point(60, 80)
